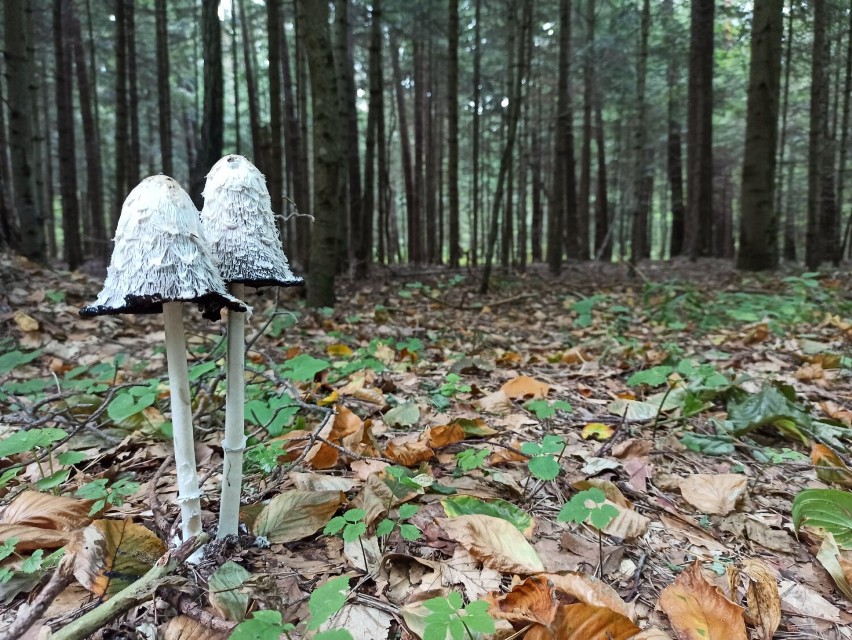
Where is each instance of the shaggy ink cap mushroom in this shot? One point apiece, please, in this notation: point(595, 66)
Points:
point(161, 255)
point(240, 225)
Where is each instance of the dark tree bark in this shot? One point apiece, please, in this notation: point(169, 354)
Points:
point(251, 86)
point(9, 236)
point(274, 167)
point(674, 159)
point(584, 190)
point(514, 61)
point(844, 140)
point(419, 152)
point(303, 228)
point(453, 131)
point(294, 143)
point(699, 143)
point(759, 218)
point(235, 65)
point(135, 162)
point(642, 162)
point(412, 220)
point(475, 142)
point(44, 156)
point(164, 98)
point(349, 114)
point(537, 221)
point(62, 46)
point(789, 242)
point(506, 157)
point(364, 231)
point(562, 213)
point(22, 134)
point(212, 119)
point(98, 245)
point(603, 233)
point(313, 18)
point(122, 133)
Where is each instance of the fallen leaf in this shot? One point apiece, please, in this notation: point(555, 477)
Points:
point(442, 436)
point(226, 597)
point(764, 601)
point(830, 467)
point(47, 511)
point(698, 610)
point(403, 415)
point(590, 590)
point(839, 568)
point(714, 493)
point(525, 387)
point(528, 601)
point(345, 424)
point(361, 621)
point(114, 554)
point(186, 628)
point(496, 402)
point(32, 538)
point(597, 430)
point(293, 515)
point(25, 323)
point(586, 622)
point(628, 524)
point(409, 451)
point(496, 543)
point(801, 600)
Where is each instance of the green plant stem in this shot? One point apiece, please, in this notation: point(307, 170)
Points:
point(659, 413)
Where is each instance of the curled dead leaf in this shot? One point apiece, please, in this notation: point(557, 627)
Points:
point(528, 601)
point(586, 621)
point(714, 493)
point(47, 511)
point(525, 387)
point(764, 600)
point(495, 542)
point(590, 590)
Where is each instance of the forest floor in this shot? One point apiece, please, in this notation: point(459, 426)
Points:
point(438, 440)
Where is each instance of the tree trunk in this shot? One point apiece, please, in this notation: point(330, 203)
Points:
point(99, 246)
point(477, 105)
point(603, 231)
point(506, 157)
point(251, 85)
point(585, 186)
point(274, 168)
point(313, 19)
point(699, 143)
point(65, 133)
point(135, 161)
point(122, 139)
point(344, 58)
point(562, 206)
point(164, 100)
point(419, 174)
point(405, 152)
point(212, 119)
point(759, 218)
point(674, 160)
point(453, 131)
point(363, 233)
point(844, 139)
point(22, 135)
point(303, 228)
point(641, 157)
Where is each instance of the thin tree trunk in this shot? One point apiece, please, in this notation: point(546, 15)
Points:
point(274, 162)
point(641, 193)
point(477, 105)
point(349, 115)
point(122, 139)
point(251, 85)
point(303, 228)
point(506, 157)
point(844, 137)
point(94, 170)
point(789, 243)
point(453, 131)
point(585, 186)
point(674, 160)
point(603, 231)
point(44, 140)
point(135, 162)
point(65, 134)
point(235, 65)
point(164, 99)
point(313, 20)
point(405, 154)
point(293, 145)
point(816, 249)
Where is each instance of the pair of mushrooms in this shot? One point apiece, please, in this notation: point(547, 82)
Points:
point(166, 255)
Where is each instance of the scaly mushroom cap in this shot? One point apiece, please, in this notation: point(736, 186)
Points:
point(239, 222)
point(161, 255)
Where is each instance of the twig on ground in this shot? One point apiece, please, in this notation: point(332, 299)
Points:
point(609, 444)
point(28, 614)
point(160, 521)
point(133, 595)
point(187, 606)
point(634, 591)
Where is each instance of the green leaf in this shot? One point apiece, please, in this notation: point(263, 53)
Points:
point(403, 415)
point(552, 444)
point(829, 509)
point(478, 619)
point(198, 370)
point(721, 445)
point(544, 467)
point(653, 377)
point(409, 532)
point(8, 547)
point(440, 605)
point(29, 440)
point(263, 625)
point(71, 457)
point(351, 532)
point(531, 448)
point(468, 505)
point(303, 367)
point(14, 359)
point(541, 408)
point(354, 515)
point(225, 593)
point(334, 526)
point(407, 511)
point(384, 527)
point(334, 634)
point(603, 515)
point(768, 406)
point(125, 405)
point(33, 563)
point(327, 600)
point(53, 480)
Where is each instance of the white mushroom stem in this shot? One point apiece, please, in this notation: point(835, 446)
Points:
point(234, 443)
point(189, 494)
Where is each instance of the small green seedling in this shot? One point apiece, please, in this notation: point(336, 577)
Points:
point(102, 494)
point(470, 459)
point(542, 463)
point(450, 616)
point(590, 505)
point(350, 526)
point(545, 410)
point(407, 530)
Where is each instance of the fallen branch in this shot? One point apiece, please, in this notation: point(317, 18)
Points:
point(28, 614)
point(133, 595)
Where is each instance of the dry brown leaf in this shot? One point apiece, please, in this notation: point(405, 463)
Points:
point(409, 451)
point(186, 628)
point(628, 524)
point(293, 515)
point(32, 538)
point(809, 372)
point(115, 553)
point(651, 633)
point(495, 542)
point(47, 511)
point(496, 402)
point(714, 493)
point(837, 562)
point(503, 454)
point(528, 601)
point(345, 423)
point(25, 322)
point(444, 435)
point(836, 411)
point(585, 622)
point(611, 491)
point(590, 590)
point(830, 467)
point(525, 387)
point(764, 601)
point(698, 610)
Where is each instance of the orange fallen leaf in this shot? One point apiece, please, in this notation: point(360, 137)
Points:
point(495, 542)
point(586, 622)
point(502, 454)
point(528, 601)
point(47, 511)
point(444, 435)
point(830, 467)
point(764, 600)
point(408, 451)
point(346, 423)
point(339, 350)
point(698, 610)
point(525, 387)
point(590, 590)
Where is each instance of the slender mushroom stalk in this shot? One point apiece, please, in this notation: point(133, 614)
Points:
point(189, 494)
point(240, 225)
point(234, 442)
point(160, 261)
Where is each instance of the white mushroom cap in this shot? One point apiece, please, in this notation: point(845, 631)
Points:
point(239, 222)
point(161, 255)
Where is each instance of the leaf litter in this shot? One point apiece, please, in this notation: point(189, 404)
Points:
point(698, 407)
